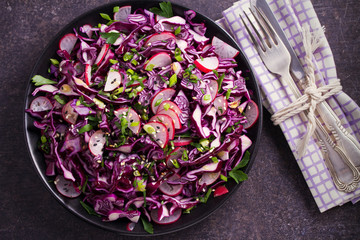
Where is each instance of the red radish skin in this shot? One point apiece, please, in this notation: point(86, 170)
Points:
point(224, 50)
point(166, 220)
point(221, 190)
point(68, 113)
point(67, 42)
point(97, 142)
point(164, 36)
point(41, 104)
point(171, 113)
point(251, 113)
point(122, 14)
point(159, 133)
point(171, 105)
point(207, 64)
point(132, 117)
point(88, 74)
point(163, 95)
point(182, 142)
point(161, 59)
point(167, 121)
point(66, 187)
point(101, 56)
point(171, 190)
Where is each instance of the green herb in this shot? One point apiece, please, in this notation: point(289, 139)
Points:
point(172, 80)
point(40, 80)
point(207, 97)
point(187, 211)
point(177, 30)
point(128, 56)
point(59, 99)
point(54, 62)
point(158, 102)
point(237, 174)
point(222, 177)
point(141, 38)
point(83, 188)
point(177, 55)
point(89, 209)
point(124, 125)
point(228, 92)
point(149, 67)
point(216, 73)
point(110, 37)
point(214, 159)
point(85, 128)
point(134, 124)
point(184, 156)
point(220, 80)
point(206, 197)
point(43, 139)
point(175, 163)
point(113, 61)
point(116, 9)
point(134, 62)
point(165, 10)
point(105, 16)
point(147, 226)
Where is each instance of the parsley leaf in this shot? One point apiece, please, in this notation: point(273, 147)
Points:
point(147, 226)
point(89, 209)
point(110, 37)
point(165, 10)
point(40, 80)
point(237, 174)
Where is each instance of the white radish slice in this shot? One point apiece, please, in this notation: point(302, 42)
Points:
point(251, 113)
point(175, 154)
point(67, 90)
point(169, 105)
point(245, 143)
point(209, 178)
point(171, 113)
point(122, 14)
point(164, 36)
point(113, 80)
point(102, 53)
point(167, 121)
point(163, 95)
point(161, 59)
point(171, 190)
point(158, 132)
point(176, 67)
point(223, 50)
point(66, 187)
point(221, 105)
point(165, 220)
point(214, 88)
point(223, 155)
point(88, 74)
point(97, 142)
point(197, 37)
point(182, 142)
point(68, 113)
point(182, 44)
point(40, 104)
point(67, 42)
point(87, 29)
point(207, 64)
point(132, 117)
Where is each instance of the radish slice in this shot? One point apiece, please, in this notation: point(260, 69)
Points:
point(220, 190)
point(113, 80)
point(175, 154)
point(182, 44)
point(251, 113)
point(67, 90)
point(158, 132)
point(87, 29)
point(182, 142)
point(40, 104)
point(165, 220)
point(97, 142)
point(68, 113)
point(214, 88)
point(67, 42)
point(221, 105)
point(209, 178)
point(102, 53)
point(130, 226)
point(167, 121)
point(132, 117)
point(224, 50)
point(45, 88)
point(88, 74)
point(197, 37)
point(122, 14)
point(245, 143)
point(66, 187)
point(165, 105)
point(171, 113)
point(207, 64)
point(171, 189)
point(161, 59)
point(176, 67)
point(163, 95)
point(164, 36)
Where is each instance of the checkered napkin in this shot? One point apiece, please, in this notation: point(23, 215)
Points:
point(292, 16)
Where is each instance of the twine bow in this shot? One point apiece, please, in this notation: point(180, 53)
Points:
point(313, 95)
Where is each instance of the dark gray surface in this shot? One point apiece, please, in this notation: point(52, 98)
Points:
point(274, 203)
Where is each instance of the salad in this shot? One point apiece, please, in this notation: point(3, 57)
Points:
point(143, 117)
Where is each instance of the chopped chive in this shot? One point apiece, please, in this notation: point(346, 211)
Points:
point(85, 128)
point(172, 80)
point(158, 102)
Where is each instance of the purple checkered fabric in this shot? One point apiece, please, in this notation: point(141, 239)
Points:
point(292, 16)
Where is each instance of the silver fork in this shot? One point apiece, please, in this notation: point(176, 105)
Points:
point(277, 60)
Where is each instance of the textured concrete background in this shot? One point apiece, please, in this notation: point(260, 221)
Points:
point(274, 203)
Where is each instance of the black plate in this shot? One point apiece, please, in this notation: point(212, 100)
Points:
point(32, 134)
